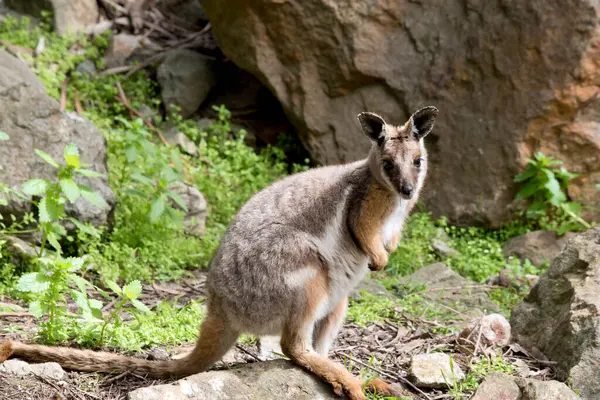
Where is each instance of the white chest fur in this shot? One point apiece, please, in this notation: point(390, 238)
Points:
point(394, 222)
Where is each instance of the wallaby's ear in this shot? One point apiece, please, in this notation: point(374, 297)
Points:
point(372, 125)
point(422, 121)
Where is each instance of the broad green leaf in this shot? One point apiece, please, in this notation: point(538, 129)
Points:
point(4, 136)
point(34, 282)
point(35, 187)
point(177, 199)
point(71, 154)
point(37, 308)
point(132, 290)
point(135, 192)
point(49, 210)
point(81, 300)
point(557, 195)
point(70, 189)
point(75, 262)
point(97, 313)
point(53, 240)
point(528, 173)
point(158, 206)
point(527, 190)
point(47, 158)
point(572, 207)
point(142, 179)
point(90, 230)
point(81, 283)
point(95, 304)
point(93, 197)
point(140, 306)
point(112, 285)
point(131, 153)
point(90, 173)
point(58, 229)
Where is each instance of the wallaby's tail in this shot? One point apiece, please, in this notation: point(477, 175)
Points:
point(92, 361)
point(216, 337)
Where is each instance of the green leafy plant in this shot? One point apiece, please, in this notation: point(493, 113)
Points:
point(49, 287)
point(54, 195)
point(545, 185)
point(127, 294)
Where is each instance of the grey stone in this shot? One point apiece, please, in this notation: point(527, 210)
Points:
point(268, 346)
point(277, 379)
point(433, 370)
point(538, 247)
point(33, 120)
point(185, 78)
point(48, 370)
point(442, 248)
point(69, 16)
point(15, 367)
point(451, 289)
point(120, 48)
point(505, 387)
point(88, 68)
point(499, 100)
point(371, 286)
point(194, 221)
point(561, 315)
point(177, 138)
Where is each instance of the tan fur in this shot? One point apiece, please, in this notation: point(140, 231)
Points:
point(289, 260)
point(375, 208)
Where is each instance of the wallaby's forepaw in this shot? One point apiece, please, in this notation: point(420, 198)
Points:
point(6, 350)
point(378, 261)
point(393, 244)
point(383, 388)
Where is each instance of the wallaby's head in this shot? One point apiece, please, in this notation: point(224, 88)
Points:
point(398, 157)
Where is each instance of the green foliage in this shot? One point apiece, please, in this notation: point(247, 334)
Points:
point(545, 186)
point(478, 370)
point(49, 286)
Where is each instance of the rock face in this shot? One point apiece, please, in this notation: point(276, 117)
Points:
point(278, 379)
point(507, 85)
point(538, 246)
point(561, 314)
point(69, 16)
point(505, 387)
point(185, 78)
point(33, 121)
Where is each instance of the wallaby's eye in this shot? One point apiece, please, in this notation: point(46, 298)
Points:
point(418, 162)
point(388, 165)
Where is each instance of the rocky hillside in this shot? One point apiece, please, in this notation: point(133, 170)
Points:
point(131, 131)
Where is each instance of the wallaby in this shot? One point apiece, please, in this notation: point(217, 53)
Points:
point(290, 258)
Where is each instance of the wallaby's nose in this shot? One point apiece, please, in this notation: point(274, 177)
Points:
point(407, 189)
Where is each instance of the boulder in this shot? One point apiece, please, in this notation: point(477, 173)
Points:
point(509, 78)
point(269, 380)
point(447, 287)
point(33, 120)
point(194, 220)
point(505, 387)
point(120, 48)
point(561, 315)
point(69, 16)
point(185, 78)
point(538, 246)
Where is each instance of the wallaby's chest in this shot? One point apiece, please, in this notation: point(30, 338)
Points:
point(393, 222)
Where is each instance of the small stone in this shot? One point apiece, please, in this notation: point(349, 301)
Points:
point(442, 248)
point(538, 246)
point(120, 48)
point(176, 138)
point(491, 330)
point(158, 354)
point(433, 370)
point(16, 367)
point(533, 389)
point(497, 386)
point(88, 68)
point(48, 370)
point(194, 221)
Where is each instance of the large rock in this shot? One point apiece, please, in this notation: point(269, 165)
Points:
point(561, 315)
point(505, 387)
point(70, 16)
point(33, 121)
point(185, 78)
point(278, 379)
point(509, 77)
point(538, 246)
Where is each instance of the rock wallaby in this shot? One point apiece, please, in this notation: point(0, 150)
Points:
point(289, 260)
